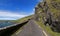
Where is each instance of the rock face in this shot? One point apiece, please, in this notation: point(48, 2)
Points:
point(49, 11)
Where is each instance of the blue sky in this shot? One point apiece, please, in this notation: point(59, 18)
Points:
point(15, 9)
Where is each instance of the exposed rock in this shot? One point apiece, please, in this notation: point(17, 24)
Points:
point(49, 11)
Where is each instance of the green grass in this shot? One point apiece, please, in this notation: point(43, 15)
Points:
point(48, 29)
point(23, 19)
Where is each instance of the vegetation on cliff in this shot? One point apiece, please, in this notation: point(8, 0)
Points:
point(47, 12)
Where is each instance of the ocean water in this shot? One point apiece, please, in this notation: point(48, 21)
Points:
point(4, 24)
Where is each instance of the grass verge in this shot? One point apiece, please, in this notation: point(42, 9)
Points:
point(48, 29)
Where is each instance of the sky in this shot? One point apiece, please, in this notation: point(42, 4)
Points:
point(15, 9)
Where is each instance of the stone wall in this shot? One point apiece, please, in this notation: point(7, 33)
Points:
point(8, 31)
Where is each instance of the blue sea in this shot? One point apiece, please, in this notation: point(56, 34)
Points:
point(4, 24)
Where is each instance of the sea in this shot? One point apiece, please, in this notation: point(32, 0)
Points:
point(4, 24)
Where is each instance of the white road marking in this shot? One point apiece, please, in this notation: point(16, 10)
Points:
point(43, 30)
point(45, 33)
point(18, 32)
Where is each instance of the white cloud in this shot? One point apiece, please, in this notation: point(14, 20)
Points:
point(7, 18)
point(10, 15)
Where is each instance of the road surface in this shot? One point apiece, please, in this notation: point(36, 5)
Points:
point(31, 29)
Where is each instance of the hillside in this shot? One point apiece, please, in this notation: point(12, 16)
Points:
point(23, 19)
point(47, 15)
point(48, 7)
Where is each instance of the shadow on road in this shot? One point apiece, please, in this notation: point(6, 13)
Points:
point(9, 31)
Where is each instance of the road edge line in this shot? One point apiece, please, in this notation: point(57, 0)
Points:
point(42, 29)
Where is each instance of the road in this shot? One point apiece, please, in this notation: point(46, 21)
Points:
point(31, 29)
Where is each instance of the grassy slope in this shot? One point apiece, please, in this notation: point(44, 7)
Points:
point(23, 19)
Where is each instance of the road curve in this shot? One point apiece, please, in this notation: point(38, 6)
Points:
point(31, 29)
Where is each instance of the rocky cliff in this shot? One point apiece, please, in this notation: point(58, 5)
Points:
point(49, 12)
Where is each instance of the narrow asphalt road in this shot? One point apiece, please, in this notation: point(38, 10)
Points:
point(31, 29)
